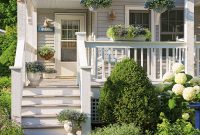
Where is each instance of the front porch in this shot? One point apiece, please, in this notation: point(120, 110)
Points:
point(92, 60)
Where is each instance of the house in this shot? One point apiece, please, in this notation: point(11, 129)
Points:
point(83, 63)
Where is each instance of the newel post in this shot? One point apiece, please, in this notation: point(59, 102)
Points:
point(85, 87)
point(16, 93)
point(189, 35)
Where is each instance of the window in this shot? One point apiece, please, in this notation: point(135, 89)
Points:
point(172, 25)
point(140, 17)
point(68, 40)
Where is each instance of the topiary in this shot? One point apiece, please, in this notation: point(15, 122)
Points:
point(128, 96)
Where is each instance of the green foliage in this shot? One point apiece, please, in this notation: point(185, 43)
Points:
point(121, 32)
point(8, 44)
point(8, 13)
point(124, 129)
point(5, 102)
point(129, 97)
point(180, 127)
point(5, 82)
point(46, 52)
point(8, 127)
point(156, 4)
point(96, 3)
point(70, 115)
point(35, 67)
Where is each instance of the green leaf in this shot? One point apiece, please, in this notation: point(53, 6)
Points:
point(172, 104)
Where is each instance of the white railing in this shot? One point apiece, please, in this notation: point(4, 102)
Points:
point(155, 57)
point(84, 81)
point(18, 80)
point(197, 59)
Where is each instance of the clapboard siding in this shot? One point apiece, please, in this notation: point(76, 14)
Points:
point(47, 38)
point(197, 23)
point(118, 6)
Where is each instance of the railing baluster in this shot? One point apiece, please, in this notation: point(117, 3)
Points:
point(197, 62)
point(135, 54)
point(161, 71)
point(142, 57)
point(109, 61)
point(148, 62)
point(103, 63)
point(179, 60)
point(167, 60)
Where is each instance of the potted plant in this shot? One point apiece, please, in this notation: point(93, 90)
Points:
point(46, 52)
point(92, 5)
point(50, 73)
point(72, 120)
point(34, 72)
point(121, 33)
point(159, 6)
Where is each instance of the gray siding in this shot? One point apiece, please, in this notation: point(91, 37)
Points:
point(197, 23)
point(118, 6)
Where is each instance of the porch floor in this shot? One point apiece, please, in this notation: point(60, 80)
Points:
point(63, 82)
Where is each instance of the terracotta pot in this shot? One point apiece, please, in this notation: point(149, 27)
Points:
point(48, 56)
point(34, 78)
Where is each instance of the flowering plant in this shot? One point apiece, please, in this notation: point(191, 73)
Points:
point(96, 3)
point(160, 6)
point(182, 84)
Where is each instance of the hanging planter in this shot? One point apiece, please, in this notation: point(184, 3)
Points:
point(93, 5)
point(160, 6)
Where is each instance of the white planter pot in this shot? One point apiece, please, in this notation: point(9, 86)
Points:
point(49, 75)
point(34, 78)
point(139, 39)
point(69, 128)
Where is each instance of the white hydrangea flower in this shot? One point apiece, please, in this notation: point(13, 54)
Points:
point(180, 78)
point(178, 67)
point(189, 93)
point(197, 89)
point(195, 80)
point(185, 116)
point(178, 89)
point(168, 77)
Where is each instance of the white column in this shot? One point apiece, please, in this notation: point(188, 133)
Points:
point(21, 20)
point(189, 35)
point(85, 87)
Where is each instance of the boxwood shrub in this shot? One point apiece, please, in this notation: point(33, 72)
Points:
point(124, 129)
point(128, 96)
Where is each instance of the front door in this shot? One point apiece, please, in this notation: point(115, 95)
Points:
point(65, 42)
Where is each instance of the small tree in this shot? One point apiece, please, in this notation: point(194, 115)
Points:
point(128, 96)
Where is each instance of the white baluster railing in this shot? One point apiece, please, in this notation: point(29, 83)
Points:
point(156, 57)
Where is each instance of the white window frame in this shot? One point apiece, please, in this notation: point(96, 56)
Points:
point(139, 7)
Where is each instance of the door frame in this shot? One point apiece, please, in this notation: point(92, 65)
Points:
point(57, 35)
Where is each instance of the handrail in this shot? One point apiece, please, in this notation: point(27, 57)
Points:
point(19, 54)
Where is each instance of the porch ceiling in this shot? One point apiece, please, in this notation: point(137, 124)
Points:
point(69, 4)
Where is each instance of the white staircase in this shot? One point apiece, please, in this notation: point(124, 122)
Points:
point(41, 105)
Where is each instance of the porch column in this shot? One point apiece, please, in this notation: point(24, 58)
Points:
point(155, 26)
point(189, 35)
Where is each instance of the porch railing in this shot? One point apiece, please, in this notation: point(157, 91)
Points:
point(155, 57)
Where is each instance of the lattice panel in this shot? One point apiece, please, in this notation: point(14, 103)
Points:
point(94, 113)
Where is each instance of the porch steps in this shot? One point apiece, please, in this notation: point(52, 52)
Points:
point(40, 106)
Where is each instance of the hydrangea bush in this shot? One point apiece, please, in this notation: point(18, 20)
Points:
point(182, 84)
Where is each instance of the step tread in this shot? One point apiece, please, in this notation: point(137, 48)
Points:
point(49, 96)
point(51, 86)
point(40, 116)
point(52, 105)
point(41, 126)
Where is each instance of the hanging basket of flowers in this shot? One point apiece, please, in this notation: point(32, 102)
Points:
point(93, 5)
point(160, 6)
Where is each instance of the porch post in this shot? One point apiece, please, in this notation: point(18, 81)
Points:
point(189, 35)
point(155, 26)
